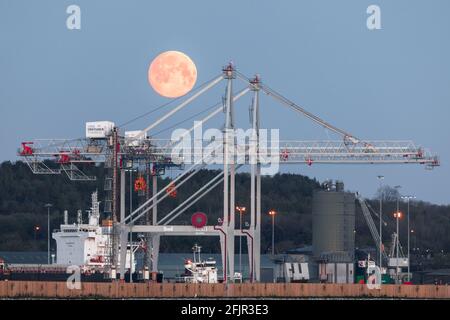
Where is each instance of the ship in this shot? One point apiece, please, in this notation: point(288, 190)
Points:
point(85, 247)
point(197, 270)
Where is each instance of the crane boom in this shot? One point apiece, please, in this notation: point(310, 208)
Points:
point(67, 153)
point(370, 224)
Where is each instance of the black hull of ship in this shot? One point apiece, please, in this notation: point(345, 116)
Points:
point(40, 276)
point(35, 276)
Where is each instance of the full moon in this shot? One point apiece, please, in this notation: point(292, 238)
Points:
point(172, 74)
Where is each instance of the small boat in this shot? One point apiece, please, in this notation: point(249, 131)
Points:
point(198, 271)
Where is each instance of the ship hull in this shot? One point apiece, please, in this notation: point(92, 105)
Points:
point(38, 276)
point(41, 276)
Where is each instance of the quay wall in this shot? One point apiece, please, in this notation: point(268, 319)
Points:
point(41, 289)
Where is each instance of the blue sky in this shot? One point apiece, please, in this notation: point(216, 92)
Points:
point(392, 83)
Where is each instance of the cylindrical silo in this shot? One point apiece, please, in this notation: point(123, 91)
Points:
point(333, 220)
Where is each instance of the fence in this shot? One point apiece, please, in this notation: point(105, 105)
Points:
point(17, 289)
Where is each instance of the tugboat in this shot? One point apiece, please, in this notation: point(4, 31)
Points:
point(198, 271)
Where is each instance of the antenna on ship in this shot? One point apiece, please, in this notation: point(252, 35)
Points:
point(196, 249)
point(79, 216)
point(66, 217)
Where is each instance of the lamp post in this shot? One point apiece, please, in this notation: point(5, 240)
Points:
point(241, 211)
point(397, 216)
point(48, 206)
point(408, 198)
point(273, 213)
point(398, 236)
point(380, 178)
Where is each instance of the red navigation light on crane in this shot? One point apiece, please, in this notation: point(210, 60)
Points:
point(140, 184)
point(171, 190)
point(284, 155)
point(26, 149)
point(63, 157)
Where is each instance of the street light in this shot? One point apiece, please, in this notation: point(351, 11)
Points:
point(380, 178)
point(36, 229)
point(408, 198)
point(241, 211)
point(273, 213)
point(48, 206)
point(397, 215)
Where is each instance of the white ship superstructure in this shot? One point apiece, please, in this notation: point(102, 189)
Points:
point(88, 244)
point(198, 271)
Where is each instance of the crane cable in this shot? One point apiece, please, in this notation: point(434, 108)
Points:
point(58, 144)
point(165, 104)
point(186, 119)
point(193, 116)
point(271, 92)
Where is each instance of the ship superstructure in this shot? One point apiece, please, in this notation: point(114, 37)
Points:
point(87, 245)
point(198, 271)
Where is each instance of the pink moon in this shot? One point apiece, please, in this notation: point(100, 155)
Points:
point(172, 74)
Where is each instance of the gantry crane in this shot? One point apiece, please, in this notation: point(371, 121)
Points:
point(117, 154)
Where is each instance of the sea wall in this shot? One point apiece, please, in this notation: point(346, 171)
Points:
point(16, 289)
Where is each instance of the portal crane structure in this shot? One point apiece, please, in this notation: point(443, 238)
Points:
point(119, 153)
